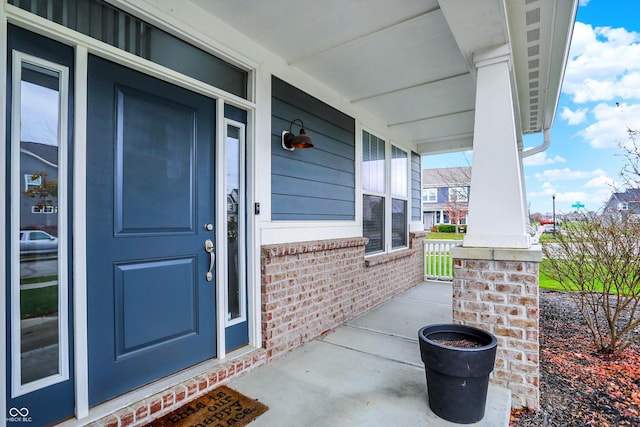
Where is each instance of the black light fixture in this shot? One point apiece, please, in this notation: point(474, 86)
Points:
point(290, 141)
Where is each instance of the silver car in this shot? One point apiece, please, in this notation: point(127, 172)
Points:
point(37, 242)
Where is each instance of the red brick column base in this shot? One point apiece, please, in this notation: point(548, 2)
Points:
point(497, 290)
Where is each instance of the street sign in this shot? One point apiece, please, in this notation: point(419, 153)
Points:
point(577, 205)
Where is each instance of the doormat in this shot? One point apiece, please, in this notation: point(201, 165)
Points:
point(221, 407)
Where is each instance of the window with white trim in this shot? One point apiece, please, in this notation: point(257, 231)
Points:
point(429, 195)
point(458, 194)
point(385, 185)
point(32, 181)
point(40, 99)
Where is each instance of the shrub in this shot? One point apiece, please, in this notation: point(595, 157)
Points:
point(598, 264)
point(451, 228)
point(446, 228)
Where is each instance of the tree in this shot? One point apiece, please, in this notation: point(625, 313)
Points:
point(46, 192)
point(458, 205)
point(630, 172)
point(597, 262)
point(457, 180)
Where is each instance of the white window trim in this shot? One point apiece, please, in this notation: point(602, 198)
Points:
point(17, 388)
point(29, 183)
point(388, 195)
point(391, 197)
point(458, 190)
point(242, 211)
point(427, 193)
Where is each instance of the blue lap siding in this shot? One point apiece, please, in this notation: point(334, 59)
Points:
point(416, 188)
point(316, 183)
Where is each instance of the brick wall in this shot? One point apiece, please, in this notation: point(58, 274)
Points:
point(310, 287)
point(497, 290)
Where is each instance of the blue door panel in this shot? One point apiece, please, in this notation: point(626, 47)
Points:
point(147, 127)
point(150, 181)
point(167, 313)
point(236, 336)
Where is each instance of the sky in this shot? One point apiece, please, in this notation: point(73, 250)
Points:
point(39, 114)
point(600, 100)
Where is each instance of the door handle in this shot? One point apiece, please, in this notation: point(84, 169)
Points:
point(208, 247)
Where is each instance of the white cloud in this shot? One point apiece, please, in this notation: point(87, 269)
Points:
point(593, 193)
point(604, 64)
point(541, 159)
point(610, 128)
point(567, 174)
point(591, 200)
point(601, 182)
point(583, 2)
point(39, 121)
point(574, 117)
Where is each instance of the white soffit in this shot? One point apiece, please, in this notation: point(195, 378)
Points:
point(408, 62)
point(541, 33)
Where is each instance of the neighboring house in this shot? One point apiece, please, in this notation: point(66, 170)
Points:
point(626, 202)
point(445, 196)
point(194, 245)
point(38, 162)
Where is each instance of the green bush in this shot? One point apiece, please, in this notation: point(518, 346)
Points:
point(451, 228)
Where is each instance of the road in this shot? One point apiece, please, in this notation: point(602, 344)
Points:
point(38, 267)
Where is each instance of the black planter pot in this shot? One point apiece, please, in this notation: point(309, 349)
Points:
point(457, 377)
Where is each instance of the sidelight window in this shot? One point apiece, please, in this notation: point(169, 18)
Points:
point(39, 287)
point(235, 222)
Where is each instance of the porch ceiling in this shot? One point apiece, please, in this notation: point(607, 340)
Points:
point(410, 62)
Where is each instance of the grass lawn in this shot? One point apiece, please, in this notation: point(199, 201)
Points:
point(39, 279)
point(439, 265)
point(546, 281)
point(38, 302)
point(444, 236)
point(549, 283)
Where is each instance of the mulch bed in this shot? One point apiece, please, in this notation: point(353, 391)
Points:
point(578, 386)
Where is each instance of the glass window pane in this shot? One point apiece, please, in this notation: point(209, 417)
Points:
point(430, 195)
point(38, 219)
point(399, 172)
point(100, 20)
point(398, 223)
point(373, 222)
point(235, 208)
point(373, 157)
point(458, 194)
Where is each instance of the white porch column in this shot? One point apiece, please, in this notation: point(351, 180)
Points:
point(497, 208)
point(495, 285)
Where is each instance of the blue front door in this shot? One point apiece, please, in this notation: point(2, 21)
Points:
point(150, 210)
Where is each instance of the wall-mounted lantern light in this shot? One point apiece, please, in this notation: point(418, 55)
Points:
point(290, 141)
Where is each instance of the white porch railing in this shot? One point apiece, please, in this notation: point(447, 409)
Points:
point(438, 264)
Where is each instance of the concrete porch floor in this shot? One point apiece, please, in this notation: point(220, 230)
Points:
point(365, 373)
